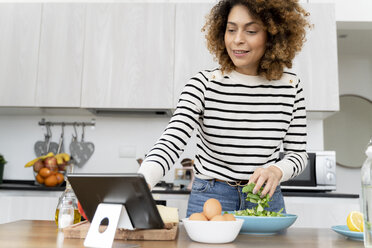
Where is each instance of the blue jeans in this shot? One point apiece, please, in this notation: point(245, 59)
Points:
point(231, 198)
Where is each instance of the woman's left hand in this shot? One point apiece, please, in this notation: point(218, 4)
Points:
point(269, 176)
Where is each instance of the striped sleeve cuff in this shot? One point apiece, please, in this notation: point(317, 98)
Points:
point(287, 169)
point(152, 172)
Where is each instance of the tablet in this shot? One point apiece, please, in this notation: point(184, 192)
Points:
point(130, 190)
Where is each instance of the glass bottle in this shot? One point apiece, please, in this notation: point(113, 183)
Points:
point(367, 196)
point(67, 208)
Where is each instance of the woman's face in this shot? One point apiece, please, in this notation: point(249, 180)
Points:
point(245, 40)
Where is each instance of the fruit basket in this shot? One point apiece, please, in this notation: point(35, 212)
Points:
point(50, 170)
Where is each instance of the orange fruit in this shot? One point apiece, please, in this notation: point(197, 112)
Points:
point(39, 178)
point(45, 172)
point(60, 177)
point(218, 218)
point(51, 181)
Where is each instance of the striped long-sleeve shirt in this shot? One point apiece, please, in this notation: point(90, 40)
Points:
point(241, 122)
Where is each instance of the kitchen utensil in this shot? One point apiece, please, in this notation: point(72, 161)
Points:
point(344, 230)
point(212, 231)
point(60, 144)
point(43, 147)
point(80, 151)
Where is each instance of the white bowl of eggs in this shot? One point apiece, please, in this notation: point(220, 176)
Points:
point(211, 226)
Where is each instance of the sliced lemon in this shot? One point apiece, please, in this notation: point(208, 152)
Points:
point(355, 221)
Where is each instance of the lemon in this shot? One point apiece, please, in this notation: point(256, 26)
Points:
point(355, 221)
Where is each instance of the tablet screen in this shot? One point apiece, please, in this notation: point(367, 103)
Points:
point(130, 190)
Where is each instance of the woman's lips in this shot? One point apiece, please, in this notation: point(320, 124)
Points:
point(240, 53)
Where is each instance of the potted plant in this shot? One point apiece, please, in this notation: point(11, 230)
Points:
point(2, 163)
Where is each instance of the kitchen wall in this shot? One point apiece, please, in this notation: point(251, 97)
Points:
point(131, 134)
point(355, 77)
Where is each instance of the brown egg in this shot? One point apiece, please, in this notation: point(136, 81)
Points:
point(45, 172)
point(218, 218)
point(211, 208)
point(51, 181)
point(198, 216)
point(229, 217)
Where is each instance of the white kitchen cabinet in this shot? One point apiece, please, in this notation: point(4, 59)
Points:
point(320, 212)
point(317, 64)
point(61, 55)
point(353, 12)
point(191, 53)
point(28, 205)
point(128, 56)
point(19, 46)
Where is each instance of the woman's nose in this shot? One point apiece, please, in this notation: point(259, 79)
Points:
point(239, 38)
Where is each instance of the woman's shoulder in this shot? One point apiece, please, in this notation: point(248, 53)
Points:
point(209, 74)
point(290, 77)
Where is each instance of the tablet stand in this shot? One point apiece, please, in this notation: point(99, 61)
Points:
point(117, 216)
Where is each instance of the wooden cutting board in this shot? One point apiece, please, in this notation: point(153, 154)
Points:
point(80, 230)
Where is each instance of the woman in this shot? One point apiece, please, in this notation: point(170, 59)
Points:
point(243, 112)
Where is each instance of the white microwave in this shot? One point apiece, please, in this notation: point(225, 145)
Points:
point(319, 174)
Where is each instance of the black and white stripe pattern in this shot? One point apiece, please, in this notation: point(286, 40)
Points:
point(241, 121)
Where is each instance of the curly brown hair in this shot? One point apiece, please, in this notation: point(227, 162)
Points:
point(284, 21)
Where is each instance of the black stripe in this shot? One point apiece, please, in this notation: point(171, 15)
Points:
point(179, 129)
point(160, 156)
point(291, 73)
point(240, 137)
point(158, 148)
point(296, 164)
point(186, 115)
point(296, 134)
point(248, 112)
point(175, 146)
point(176, 137)
point(236, 146)
point(244, 120)
point(299, 125)
point(183, 122)
point(294, 142)
point(250, 103)
point(247, 129)
point(160, 143)
point(189, 109)
point(299, 91)
point(233, 163)
point(193, 95)
point(194, 86)
point(297, 169)
point(206, 79)
point(300, 117)
point(299, 100)
point(252, 86)
point(159, 164)
point(247, 94)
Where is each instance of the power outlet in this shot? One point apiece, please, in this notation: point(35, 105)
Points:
point(127, 152)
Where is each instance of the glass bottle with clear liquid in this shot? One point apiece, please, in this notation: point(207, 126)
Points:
point(67, 212)
point(367, 196)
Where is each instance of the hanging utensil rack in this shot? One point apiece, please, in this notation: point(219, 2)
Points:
point(43, 122)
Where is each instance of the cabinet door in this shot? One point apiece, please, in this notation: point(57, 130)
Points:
point(61, 55)
point(191, 54)
point(128, 56)
point(19, 44)
point(316, 64)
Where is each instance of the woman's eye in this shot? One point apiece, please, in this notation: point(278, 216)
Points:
point(230, 30)
point(251, 32)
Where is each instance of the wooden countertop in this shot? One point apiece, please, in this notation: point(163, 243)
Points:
point(40, 234)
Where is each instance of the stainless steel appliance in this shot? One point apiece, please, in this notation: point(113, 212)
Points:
point(319, 174)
